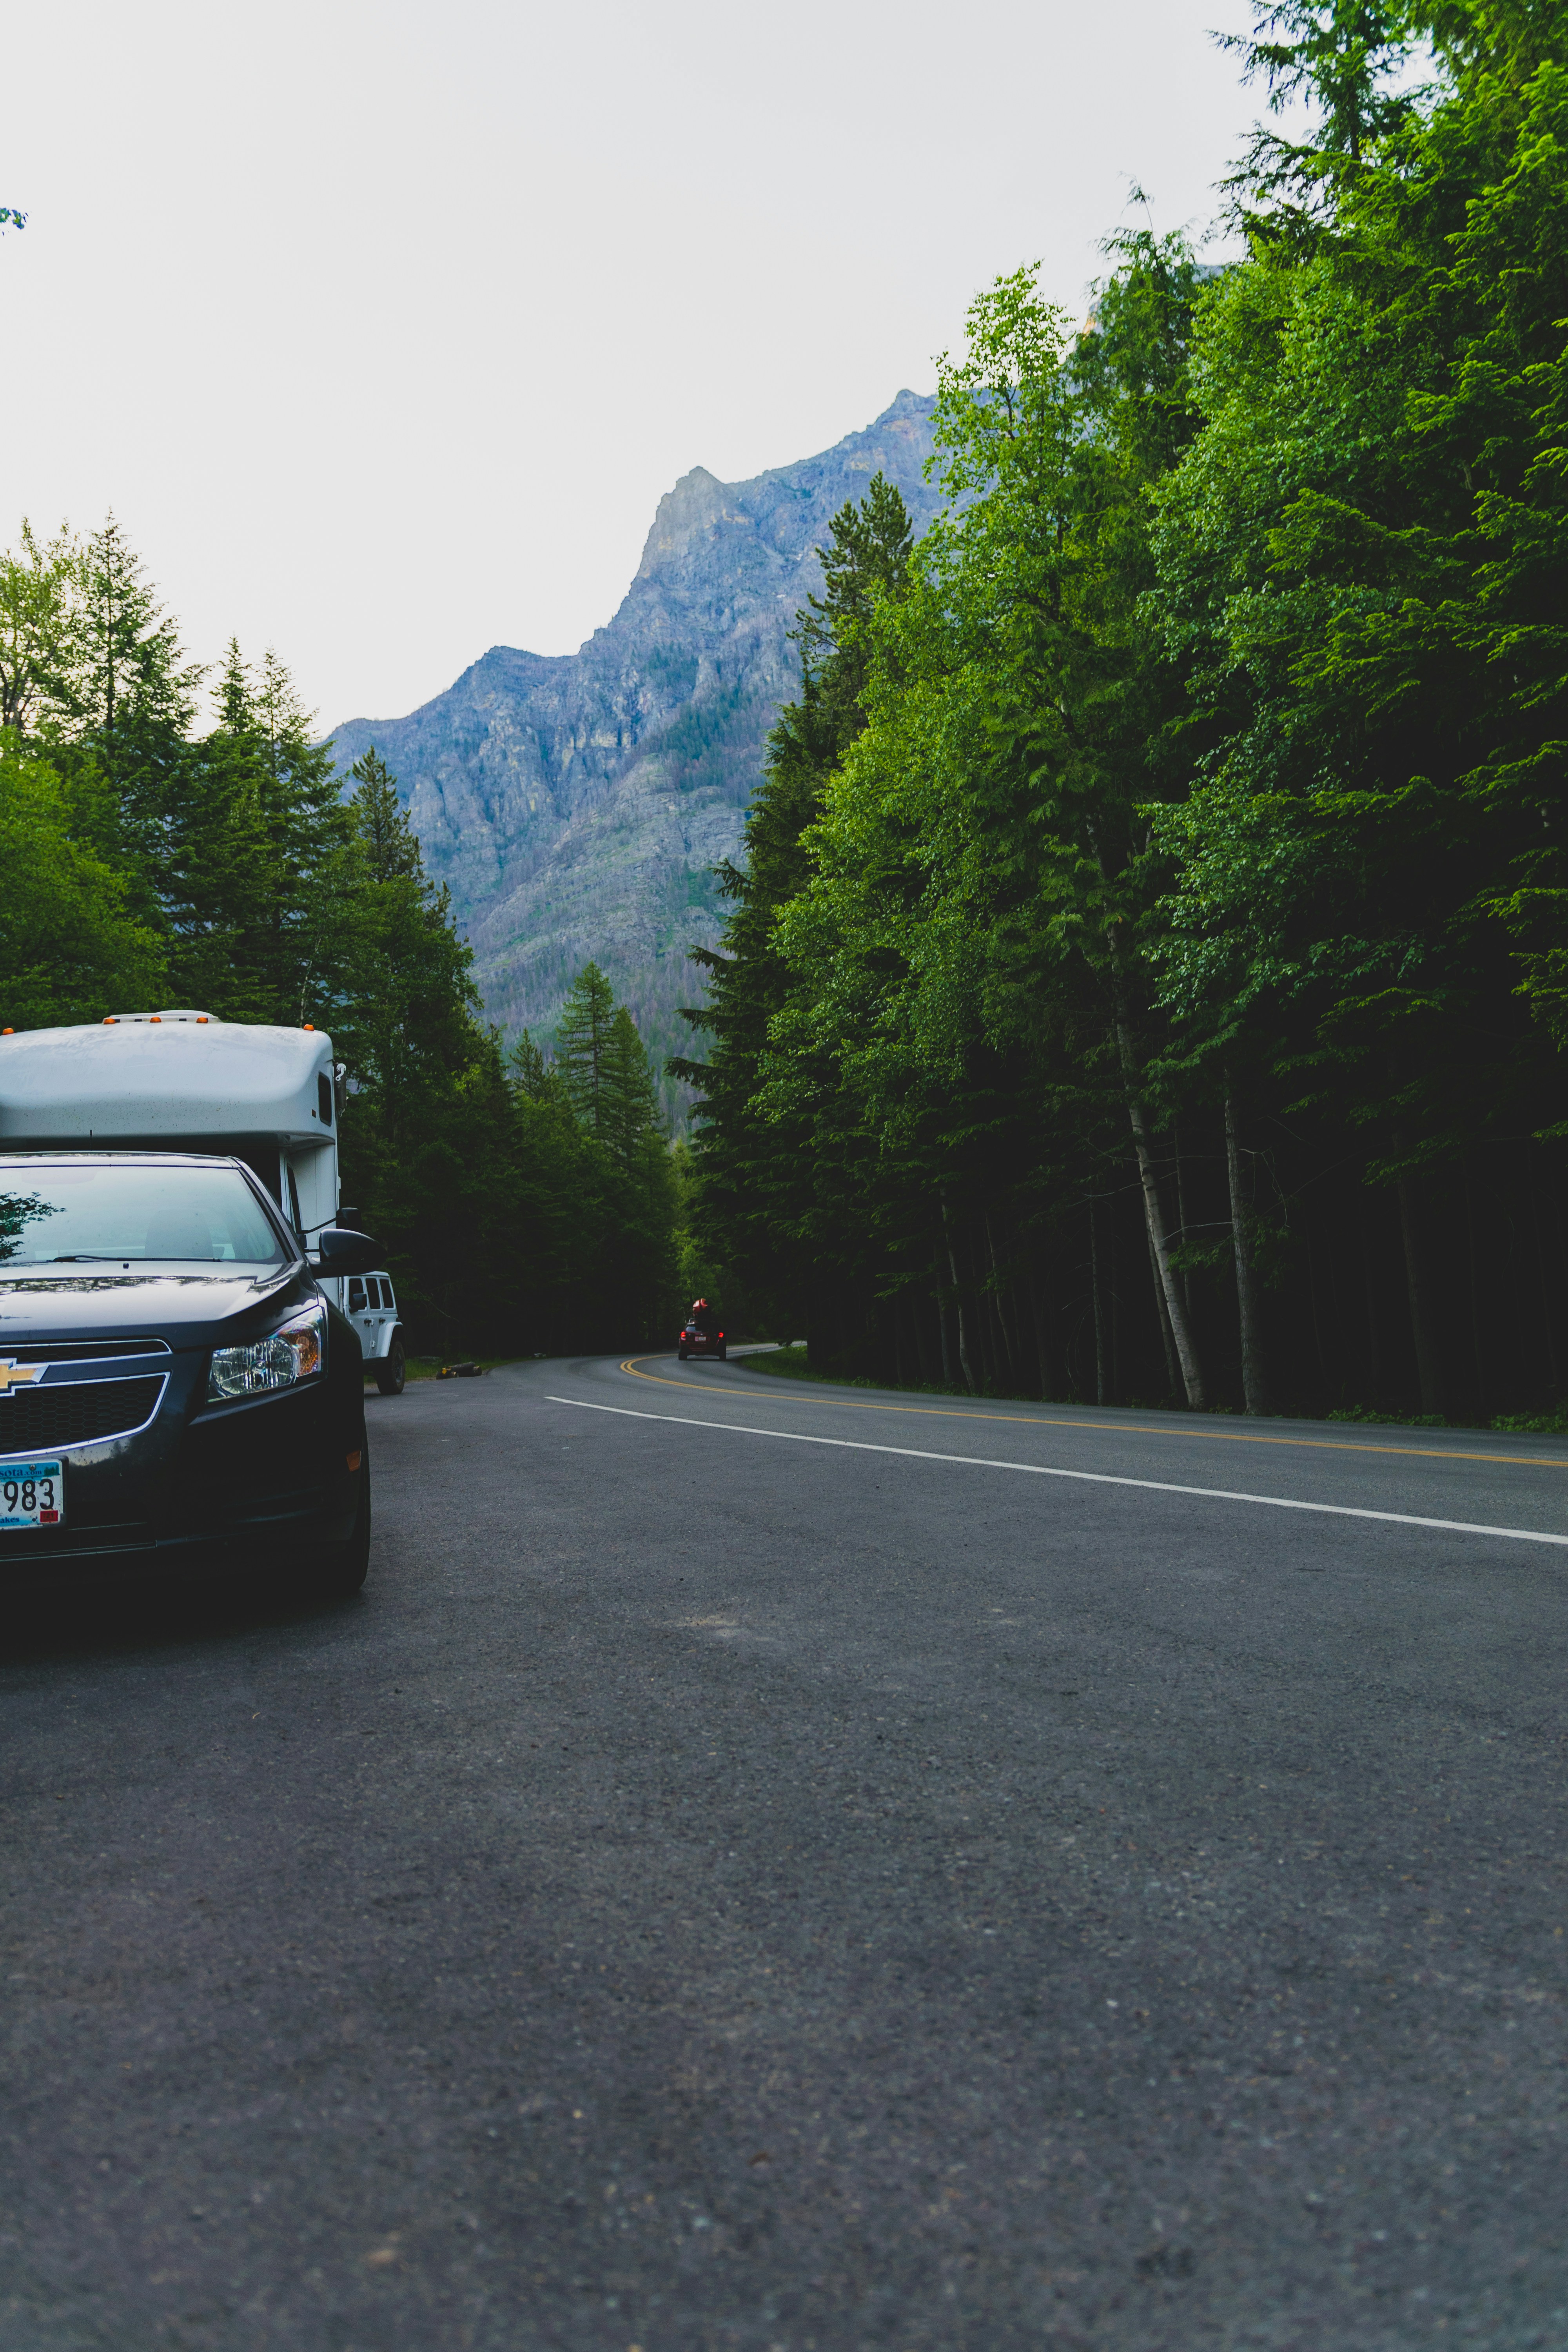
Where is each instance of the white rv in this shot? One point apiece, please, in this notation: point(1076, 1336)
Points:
point(185, 1081)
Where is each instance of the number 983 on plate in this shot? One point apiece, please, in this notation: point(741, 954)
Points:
point(32, 1493)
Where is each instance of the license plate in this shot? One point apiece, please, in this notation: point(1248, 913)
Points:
point(32, 1494)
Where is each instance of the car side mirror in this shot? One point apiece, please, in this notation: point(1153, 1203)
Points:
point(340, 1252)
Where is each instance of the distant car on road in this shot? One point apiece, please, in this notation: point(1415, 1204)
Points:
point(695, 1342)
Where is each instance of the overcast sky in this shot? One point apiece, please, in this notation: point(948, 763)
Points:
point(383, 328)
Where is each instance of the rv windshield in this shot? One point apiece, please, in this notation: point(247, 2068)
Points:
point(63, 1215)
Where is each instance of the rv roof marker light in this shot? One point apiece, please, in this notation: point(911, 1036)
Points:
point(309, 1025)
point(202, 1019)
point(154, 1017)
point(7, 1032)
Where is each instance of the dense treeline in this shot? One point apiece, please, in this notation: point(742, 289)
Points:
point(525, 1205)
point(1148, 976)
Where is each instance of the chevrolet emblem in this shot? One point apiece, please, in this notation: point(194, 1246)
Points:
point(14, 1375)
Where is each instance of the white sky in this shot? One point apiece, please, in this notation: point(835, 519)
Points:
point(383, 327)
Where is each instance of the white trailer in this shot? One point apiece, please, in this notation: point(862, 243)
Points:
point(181, 1080)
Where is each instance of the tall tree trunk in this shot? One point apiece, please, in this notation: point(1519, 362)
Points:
point(1099, 1301)
point(1478, 1353)
point(1250, 1306)
point(1417, 1282)
point(983, 1326)
point(1423, 1331)
point(974, 1316)
point(919, 1309)
point(964, 1363)
point(1312, 1304)
point(1154, 1209)
point(1172, 1377)
point(1183, 1277)
point(1113, 1284)
point(1039, 1317)
point(1543, 1283)
point(1016, 1317)
point(1012, 1370)
point(942, 1313)
point(1373, 1329)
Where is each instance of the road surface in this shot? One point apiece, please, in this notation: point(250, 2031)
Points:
point(764, 1866)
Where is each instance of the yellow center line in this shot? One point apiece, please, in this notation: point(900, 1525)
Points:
point(1122, 1428)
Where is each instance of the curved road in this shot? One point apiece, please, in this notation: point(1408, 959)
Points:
point(767, 1865)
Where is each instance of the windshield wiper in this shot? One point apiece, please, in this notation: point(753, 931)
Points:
point(118, 1257)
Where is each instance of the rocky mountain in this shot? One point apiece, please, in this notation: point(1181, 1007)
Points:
point(575, 803)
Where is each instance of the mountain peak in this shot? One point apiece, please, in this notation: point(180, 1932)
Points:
point(697, 506)
point(577, 803)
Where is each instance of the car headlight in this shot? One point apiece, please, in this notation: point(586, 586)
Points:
point(280, 1360)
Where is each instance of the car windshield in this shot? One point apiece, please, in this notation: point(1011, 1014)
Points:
point(132, 1216)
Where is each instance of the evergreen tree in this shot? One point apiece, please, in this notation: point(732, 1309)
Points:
point(71, 947)
point(40, 633)
point(753, 1179)
point(630, 1100)
point(236, 698)
point(387, 842)
point(136, 691)
point(404, 998)
point(583, 1047)
point(1197, 868)
point(147, 861)
point(528, 1072)
point(1338, 55)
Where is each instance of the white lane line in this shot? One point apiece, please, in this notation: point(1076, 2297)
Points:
point(1089, 1477)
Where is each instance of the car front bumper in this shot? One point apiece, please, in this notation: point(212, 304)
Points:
point(256, 1483)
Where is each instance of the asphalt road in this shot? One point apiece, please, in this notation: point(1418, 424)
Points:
point(718, 1887)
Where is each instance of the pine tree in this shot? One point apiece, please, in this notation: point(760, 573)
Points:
point(1337, 55)
point(631, 1101)
point(401, 998)
point(136, 687)
point(235, 700)
point(528, 1072)
point(751, 1174)
point(388, 844)
point(583, 1036)
point(40, 634)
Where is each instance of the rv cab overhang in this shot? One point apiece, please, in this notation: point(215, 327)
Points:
point(181, 1080)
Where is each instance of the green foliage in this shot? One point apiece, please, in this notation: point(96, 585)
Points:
point(583, 1049)
point(144, 860)
point(1337, 55)
point(69, 945)
point(1150, 965)
point(753, 1191)
point(38, 611)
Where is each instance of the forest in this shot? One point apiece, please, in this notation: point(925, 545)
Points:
point(172, 839)
point(1146, 977)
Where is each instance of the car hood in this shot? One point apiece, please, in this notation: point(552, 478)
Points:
point(187, 1309)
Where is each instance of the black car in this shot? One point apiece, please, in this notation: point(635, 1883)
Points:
point(174, 1387)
